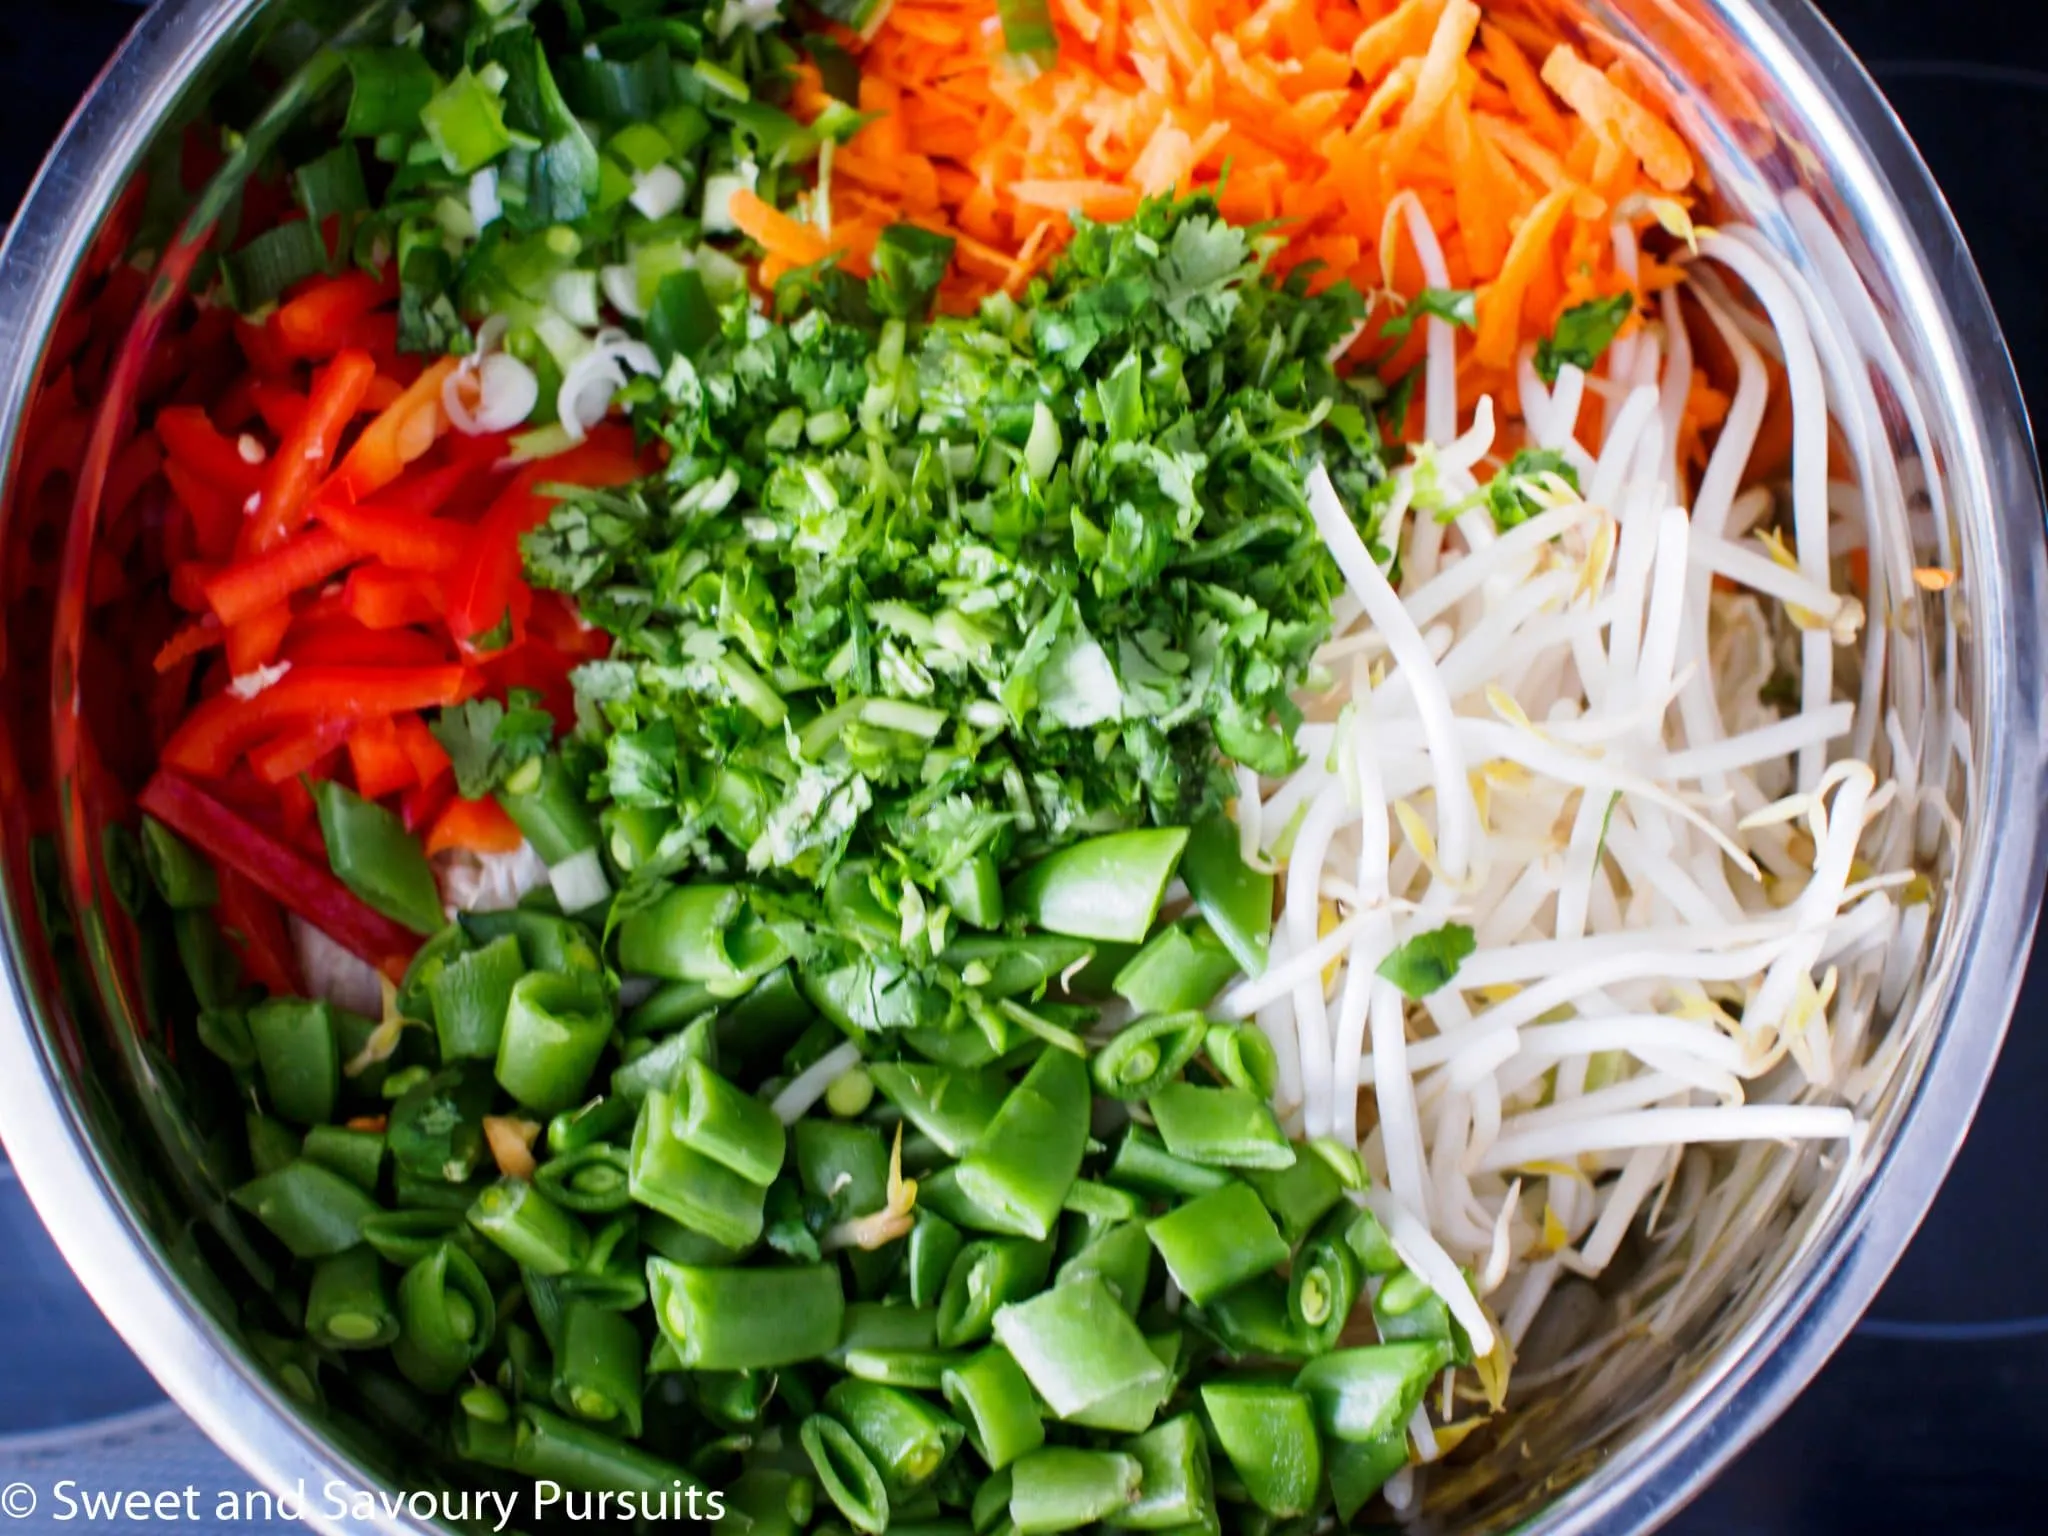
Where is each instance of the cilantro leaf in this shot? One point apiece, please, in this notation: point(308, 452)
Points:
point(485, 740)
point(1428, 961)
point(1457, 305)
point(909, 264)
point(1583, 332)
point(1510, 495)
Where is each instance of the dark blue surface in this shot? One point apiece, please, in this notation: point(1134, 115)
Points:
point(1932, 1418)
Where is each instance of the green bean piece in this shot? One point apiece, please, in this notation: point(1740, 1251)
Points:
point(1175, 1489)
point(550, 942)
point(551, 808)
point(272, 1143)
point(374, 856)
point(413, 1000)
point(905, 1438)
point(974, 890)
point(180, 874)
point(683, 1245)
point(589, 1460)
point(591, 1181)
point(436, 1128)
point(1142, 1163)
point(600, 1120)
point(1219, 1127)
point(209, 965)
point(555, 1030)
point(730, 1127)
point(357, 1156)
point(684, 1184)
point(1253, 1320)
point(770, 1500)
point(597, 1370)
point(1236, 899)
point(669, 1007)
point(538, 1234)
point(992, 1397)
point(1405, 1308)
point(1147, 1054)
point(847, 1165)
point(879, 1325)
point(1182, 966)
point(1121, 1258)
point(1244, 1057)
point(990, 1509)
point(1078, 1346)
point(404, 1238)
point(1269, 1434)
point(1299, 1195)
point(1322, 1287)
point(849, 1478)
point(1359, 1469)
point(411, 1192)
point(1013, 967)
point(348, 1304)
point(1102, 1204)
point(733, 1400)
point(941, 1194)
point(660, 1065)
point(1022, 1166)
point(952, 1106)
point(296, 1050)
point(1105, 888)
point(1061, 1488)
point(919, 1370)
point(1217, 1241)
point(1362, 1394)
point(986, 1275)
point(225, 1032)
point(483, 1430)
point(471, 994)
point(934, 1243)
point(747, 1319)
point(446, 1317)
point(702, 933)
point(1369, 1240)
point(312, 1210)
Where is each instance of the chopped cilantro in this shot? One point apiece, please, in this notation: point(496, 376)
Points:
point(486, 740)
point(1428, 961)
point(1583, 332)
point(1457, 305)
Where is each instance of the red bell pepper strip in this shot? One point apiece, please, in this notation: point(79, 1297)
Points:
point(302, 561)
point(298, 816)
point(421, 805)
point(375, 334)
point(201, 634)
point(281, 871)
point(428, 757)
point(377, 597)
point(301, 750)
point(255, 930)
point(481, 594)
point(216, 515)
point(188, 584)
point(253, 641)
point(192, 441)
point(384, 392)
point(302, 458)
point(399, 434)
point(481, 826)
point(403, 539)
point(223, 727)
point(263, 350)
point(379, 760)
point(341, 642)
point(282, 409)
point(317, 323)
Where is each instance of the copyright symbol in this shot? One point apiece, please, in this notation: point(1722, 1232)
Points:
point(17, 1501)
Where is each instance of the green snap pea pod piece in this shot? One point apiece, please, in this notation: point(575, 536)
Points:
point(661, 1065)
point(767, 1017)
point(590, 1181)
point(1322, 1287)
point(683, 1245)
point(1362, 1394)
point(1236, 899)
point(941, 1194)
point(771, 1501)
point(1000, 968)
point(669, 1007)
point(272, 1143)
point(471, 994)
point(1217, 1241)
point(1078, 1346)
point(1269, 1434)
point(1369, 1240)
point(1025, 1162)
point(1182, 966)
point(934, 1243)
point(1299, 1195)
point(1359, 1469)
point(1219, 1127)
point(747, 1319)
point(414, 1001)
point(411, 1192)
point(952, 1106)
point(731, 1127)
point(733, 1400)
point(522, 1221)
point(548, 941)
point(1102, 1204)
point(1175, 1489)
point(849, 1478)
point(483, 1430)
point(1061, 1488)
point(597, 1370)
point(559, 1450)
point(884, 1325)
point(1147, 1054)
point(225, 1032)
point(985, 1276)
point(702, 933)
point(293, 1363)
point(546, 801)
point(446, 1317)
point(671, 1177)
point(298, 1056)
point(845, 1164)
point(1121, 1258)
point(348, 1304)
point(180, 874)
point(974, 890)
point(373, 855)
point(357, 1156)
point(992, 1397)
point(603, 1119)
point(555, 1029)
point(1405, 1308)
point(990, 1508)
point(905, 1438)
point(1244, 1057)
point(918, 1370)
point(1105, 888)
point(1253, 1320)
point(436, 1128)
point(208, 963)
point(312, 1210)
point(1143, 1164)
point(404, 1238)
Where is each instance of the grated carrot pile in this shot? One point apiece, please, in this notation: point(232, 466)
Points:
point(1523, 151)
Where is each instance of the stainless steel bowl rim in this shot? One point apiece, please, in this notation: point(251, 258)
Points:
point(1877, 175)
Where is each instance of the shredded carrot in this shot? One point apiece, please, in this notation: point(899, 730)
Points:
point(1605, 106)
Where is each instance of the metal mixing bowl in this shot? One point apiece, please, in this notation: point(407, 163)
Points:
point(117, 1141)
